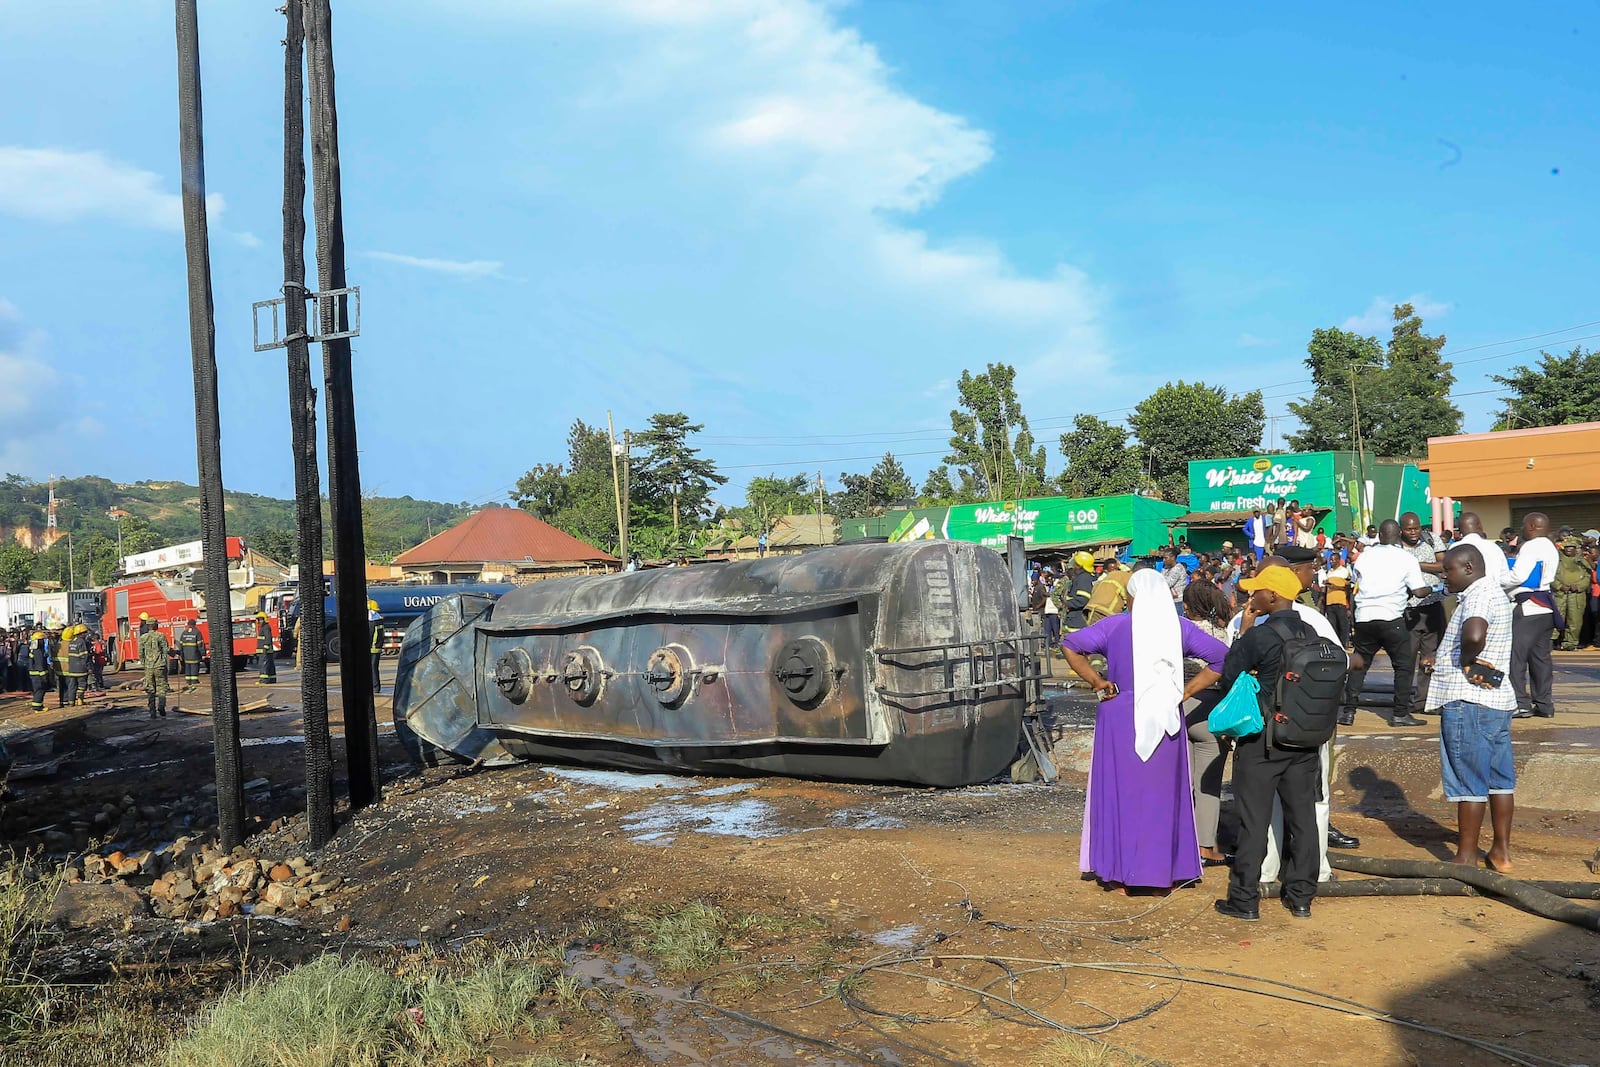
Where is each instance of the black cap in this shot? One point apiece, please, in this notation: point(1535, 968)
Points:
point(1294, 555)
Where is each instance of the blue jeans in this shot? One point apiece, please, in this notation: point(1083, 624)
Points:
point(1475, 752)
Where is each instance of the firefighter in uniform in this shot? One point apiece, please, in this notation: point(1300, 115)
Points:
point(58, 660)
point(153, 650)
point(375, 624)
point(192, 651)
point(264, 650)
point(77, 660)
point(38, 663)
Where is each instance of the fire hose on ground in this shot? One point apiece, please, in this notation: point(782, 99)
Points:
point(1413, 878)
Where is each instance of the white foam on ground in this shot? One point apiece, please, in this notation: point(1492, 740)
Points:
point(619, 781)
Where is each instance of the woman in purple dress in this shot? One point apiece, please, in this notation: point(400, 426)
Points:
point(1138, 821)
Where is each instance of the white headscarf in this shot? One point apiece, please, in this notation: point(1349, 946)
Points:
point(1157, 662)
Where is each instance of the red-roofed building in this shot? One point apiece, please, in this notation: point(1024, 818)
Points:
point(503, 545)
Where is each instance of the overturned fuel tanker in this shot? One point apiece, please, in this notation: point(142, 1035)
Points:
point(877, 662)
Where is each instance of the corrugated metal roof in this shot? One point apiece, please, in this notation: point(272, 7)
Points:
point(502, 535)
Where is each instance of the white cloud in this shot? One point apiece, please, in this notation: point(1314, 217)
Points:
point(799, 126)
point(1379, 316)
point(28, 403)
point(471, 268)
point(60, 185)
point(1250, 340)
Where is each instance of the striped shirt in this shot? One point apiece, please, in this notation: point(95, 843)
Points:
point(1483, 599)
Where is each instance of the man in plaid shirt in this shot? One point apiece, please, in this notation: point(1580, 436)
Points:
point(1476, 701)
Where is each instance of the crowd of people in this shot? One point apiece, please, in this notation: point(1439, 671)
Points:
point(70, 660)
point(1469, 626)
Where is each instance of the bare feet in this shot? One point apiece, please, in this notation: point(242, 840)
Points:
point(1466, 859)
point(1499, 863)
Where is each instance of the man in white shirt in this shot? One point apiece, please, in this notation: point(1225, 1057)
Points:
point(1533, 622)
point(1256, 527)
point(1369, 538)
point(1494, 557)
point(1386, 577)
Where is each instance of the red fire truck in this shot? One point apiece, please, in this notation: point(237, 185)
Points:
point(170, 602)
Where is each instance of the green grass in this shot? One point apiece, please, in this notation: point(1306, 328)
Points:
point(27, 893)
point(686, 940)
point(353, 1013)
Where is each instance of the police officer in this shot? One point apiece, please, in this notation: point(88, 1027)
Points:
point(265, 651)
point(153, 652)
point(38, 663)
point(192, 651)
point(375, 624)
point(77, 664)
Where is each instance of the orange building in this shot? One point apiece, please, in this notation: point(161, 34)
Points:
point(1504, 475)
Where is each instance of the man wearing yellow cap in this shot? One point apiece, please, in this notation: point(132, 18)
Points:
point(1262, 772)
point(75, 640)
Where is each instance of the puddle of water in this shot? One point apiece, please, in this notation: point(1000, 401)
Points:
point(619, 781)
point(898, 937)
point(597, 805)
point(856, 819)
point(742, 818)
point(480, 809)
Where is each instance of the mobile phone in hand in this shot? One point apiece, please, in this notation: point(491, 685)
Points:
point(1108, 693)
point(1483, 674)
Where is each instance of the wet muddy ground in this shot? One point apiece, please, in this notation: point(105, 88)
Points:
point(864, 923)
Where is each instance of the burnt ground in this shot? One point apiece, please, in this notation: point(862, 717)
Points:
point(890, 889)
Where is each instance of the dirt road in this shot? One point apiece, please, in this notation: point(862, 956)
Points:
point(914, 926)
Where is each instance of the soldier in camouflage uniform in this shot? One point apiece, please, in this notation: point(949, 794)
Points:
point(1570, 588)
point(153, 651)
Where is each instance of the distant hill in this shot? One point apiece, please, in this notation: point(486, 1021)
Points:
point(164, 512)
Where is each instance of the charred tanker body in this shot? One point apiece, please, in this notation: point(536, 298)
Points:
point(892, 663)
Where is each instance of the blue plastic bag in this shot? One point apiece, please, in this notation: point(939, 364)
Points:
point(1239, 713)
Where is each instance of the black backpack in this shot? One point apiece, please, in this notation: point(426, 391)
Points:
point(1310, 691)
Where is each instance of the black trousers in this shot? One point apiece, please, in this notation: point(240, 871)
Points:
point(377, 676)
point(1393, 637)
point(1426, 625)
point(1339, 617)
point(1530, 660)
point(1295, 778)
point(41, 686)
point(269, 666)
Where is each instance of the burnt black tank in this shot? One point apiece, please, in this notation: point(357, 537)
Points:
point(867, 662)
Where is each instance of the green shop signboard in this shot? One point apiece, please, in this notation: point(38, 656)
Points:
point(1042, 520)
point(1250, 482)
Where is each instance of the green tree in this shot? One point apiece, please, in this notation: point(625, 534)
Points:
point(991, 447)
point(768, 496)
point(937, 492)
point(277, 544)
point(1327, 423)
point(874, 492)
point(1561, 390)
point(1180, 422)
point(16, 566)
point(1402, 391)
point(1099, 460)
point(673, 473)
point(579, 497)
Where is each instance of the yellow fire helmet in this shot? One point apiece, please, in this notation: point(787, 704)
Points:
point(261, 615)
point(144, 616)
point(372, 605)
point(1084, 560)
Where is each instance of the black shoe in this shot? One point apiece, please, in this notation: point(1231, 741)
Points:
point(1522, 713)
point(1544, 715)
point(1338, 840)
point(1234, 911)
point(1347, 718)
point(1299, 911)
point(1407, 720)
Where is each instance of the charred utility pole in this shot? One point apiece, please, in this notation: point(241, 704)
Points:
point(344, 473)
point(303, 428)
point(207, 430)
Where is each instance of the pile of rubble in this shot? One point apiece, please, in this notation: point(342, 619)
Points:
point(194, 880)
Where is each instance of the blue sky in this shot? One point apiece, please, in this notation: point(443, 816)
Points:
point(796, 220)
